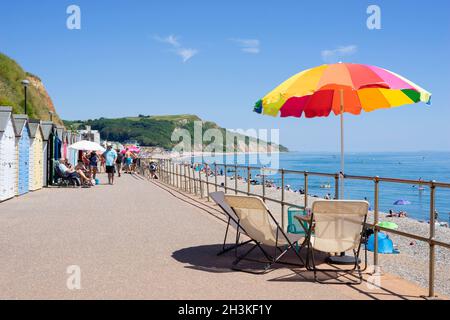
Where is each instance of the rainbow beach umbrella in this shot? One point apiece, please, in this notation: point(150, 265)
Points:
point(339, 88)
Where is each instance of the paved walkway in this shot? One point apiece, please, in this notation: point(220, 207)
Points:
point(138, 239)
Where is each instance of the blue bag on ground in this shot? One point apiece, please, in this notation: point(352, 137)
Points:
point(385, 245)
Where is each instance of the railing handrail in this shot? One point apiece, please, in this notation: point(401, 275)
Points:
point(439, 184)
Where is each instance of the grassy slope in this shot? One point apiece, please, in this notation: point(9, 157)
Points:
point(147, 130)
point(11, 91)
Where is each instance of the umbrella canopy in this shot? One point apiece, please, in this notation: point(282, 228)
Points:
point(401, 202)
point(341, 87)
point(85, 145)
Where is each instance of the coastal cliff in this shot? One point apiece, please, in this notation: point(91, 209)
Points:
point(39, 103)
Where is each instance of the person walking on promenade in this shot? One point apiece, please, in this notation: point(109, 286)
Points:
point(119, 161)
point(93, 163)
point(128, 160)
point(110, 157)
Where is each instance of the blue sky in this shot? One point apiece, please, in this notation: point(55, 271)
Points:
point(216, 58)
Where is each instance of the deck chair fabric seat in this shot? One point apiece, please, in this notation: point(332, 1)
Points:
point(256, 220)
point(253, 217)
point(338, 227)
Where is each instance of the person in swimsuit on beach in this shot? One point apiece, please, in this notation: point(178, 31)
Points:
point(128, 160)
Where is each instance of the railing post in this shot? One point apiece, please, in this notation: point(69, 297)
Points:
point(190, 180)
point(170, 173)
point(195, 183)
point(375, 222)
point(431, 243)
point(235, 180)
point(166, 175)
point(178, 176)
point(306, 189)
point(336, 187)
point(263, 184)
point(169, 164)
point(200, 183)
point(249, 177)
point(225, 172)
point(215, 176)
point(165, 171)
point(282, 198)
point(207, 182)
point(185, 178)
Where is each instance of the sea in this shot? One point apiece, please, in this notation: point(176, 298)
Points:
point(405, 165)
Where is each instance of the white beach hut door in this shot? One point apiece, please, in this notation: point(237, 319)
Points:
point(7, 162)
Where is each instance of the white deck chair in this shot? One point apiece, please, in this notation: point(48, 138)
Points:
point(256, 220)
point(219, 199)
point(337, 226)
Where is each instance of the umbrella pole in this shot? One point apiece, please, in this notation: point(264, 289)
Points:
point(341, 175)
point(342, 259)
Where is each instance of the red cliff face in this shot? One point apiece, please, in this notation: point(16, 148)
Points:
point(40, 88)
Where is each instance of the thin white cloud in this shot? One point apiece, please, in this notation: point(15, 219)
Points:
point(248, 45)
point(178, 49)
point(186, 53)
point(334, 55)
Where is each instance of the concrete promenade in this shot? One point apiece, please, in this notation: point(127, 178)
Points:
point(141, 240)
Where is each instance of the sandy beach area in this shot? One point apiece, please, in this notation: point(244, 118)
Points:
point(410, 263)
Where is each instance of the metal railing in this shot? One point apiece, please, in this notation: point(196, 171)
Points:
point(184, 177)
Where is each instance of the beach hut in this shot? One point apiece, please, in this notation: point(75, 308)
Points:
point(7, 154)
point(36, 157)
point(47, 132)
point(73, 155)
point(22, 153)
point(55, 153)
point(60, 132)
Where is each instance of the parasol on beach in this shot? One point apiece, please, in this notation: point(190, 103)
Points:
point(401, 202)
point(340, 88)
point(133, 149)
point(85, 145)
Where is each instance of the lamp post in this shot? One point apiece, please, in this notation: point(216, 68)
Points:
point(51, 115)
point(25, 84)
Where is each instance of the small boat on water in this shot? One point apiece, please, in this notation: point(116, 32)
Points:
point(325, 186)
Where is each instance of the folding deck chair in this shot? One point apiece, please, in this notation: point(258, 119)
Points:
point(219, 199)
point(336, 226)
point(257, 222)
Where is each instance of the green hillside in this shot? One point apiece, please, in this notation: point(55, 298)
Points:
point(149, 130)
point(39, 103)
